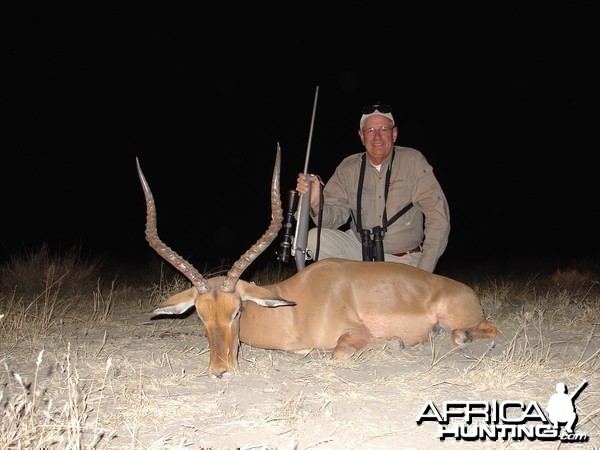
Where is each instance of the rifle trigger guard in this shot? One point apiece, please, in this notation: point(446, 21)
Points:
point(307, 255)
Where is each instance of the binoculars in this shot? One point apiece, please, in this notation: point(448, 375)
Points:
point(372, 244)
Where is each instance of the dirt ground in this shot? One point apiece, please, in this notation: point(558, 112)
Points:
point(105, 376)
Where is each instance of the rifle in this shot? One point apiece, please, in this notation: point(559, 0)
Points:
point(302, 213)
point(578, 390)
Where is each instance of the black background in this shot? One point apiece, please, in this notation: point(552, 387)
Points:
point(502, 99)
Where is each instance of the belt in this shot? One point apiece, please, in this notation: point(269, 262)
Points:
point(414, 250)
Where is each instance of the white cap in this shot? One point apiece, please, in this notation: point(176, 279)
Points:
point(364, 117)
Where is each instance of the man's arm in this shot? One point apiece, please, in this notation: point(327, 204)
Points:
point(431, 200)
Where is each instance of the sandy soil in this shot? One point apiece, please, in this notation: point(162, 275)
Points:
point(105, 376)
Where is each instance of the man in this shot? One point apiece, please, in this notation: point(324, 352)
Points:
point(561, 408)
point(389, 186)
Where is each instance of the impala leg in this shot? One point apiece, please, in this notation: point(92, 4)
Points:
point(349, 342)
point(483, 330)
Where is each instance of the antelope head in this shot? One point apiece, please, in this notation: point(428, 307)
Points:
point(218, 300)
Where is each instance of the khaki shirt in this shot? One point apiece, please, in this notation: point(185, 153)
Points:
point(412, 180)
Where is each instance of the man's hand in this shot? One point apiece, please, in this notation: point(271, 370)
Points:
point(315, 190)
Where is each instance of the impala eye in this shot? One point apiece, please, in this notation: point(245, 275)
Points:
point(236, 314)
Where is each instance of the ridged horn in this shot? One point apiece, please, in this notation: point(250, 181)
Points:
point(159, 246)
point(261, 245)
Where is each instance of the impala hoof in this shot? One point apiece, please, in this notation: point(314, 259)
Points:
point(461, 337)
point(398, 341)
point(437, 329)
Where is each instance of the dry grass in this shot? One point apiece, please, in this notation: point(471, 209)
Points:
point(84, 368)
point(32, 273)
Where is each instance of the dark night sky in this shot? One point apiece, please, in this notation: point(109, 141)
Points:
point(502, 100)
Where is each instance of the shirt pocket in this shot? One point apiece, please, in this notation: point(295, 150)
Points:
point(398, 194)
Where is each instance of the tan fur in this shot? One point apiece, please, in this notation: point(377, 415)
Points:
point(340, 306)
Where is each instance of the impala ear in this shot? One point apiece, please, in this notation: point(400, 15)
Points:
point(250, 292)
point(176, 304)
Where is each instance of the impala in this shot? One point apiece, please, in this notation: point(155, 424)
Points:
point(333, 305)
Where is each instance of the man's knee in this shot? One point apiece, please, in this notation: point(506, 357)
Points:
point(311, 241)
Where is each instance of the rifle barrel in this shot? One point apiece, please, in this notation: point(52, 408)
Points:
point(310, 133)
point(579, 389)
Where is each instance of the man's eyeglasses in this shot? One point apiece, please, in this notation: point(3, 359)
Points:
point(377, 106)
point(372, 130)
